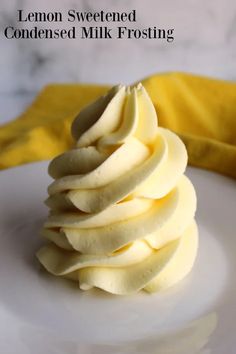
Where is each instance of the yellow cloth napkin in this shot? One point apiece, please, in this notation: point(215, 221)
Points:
point(201, 110)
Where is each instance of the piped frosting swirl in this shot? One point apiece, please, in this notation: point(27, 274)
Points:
point(121, 209)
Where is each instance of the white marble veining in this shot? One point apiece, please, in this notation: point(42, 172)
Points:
point(205, 37)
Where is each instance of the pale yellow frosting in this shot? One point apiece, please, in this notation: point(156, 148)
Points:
point(121, 209)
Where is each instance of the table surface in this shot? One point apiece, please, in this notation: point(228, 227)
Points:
point(11, 105)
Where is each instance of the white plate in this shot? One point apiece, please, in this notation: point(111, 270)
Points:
point(40, 313)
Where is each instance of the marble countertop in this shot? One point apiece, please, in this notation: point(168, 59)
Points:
point(11, 105)
point(204, 44)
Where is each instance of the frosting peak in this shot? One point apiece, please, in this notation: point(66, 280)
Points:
point(123, 112)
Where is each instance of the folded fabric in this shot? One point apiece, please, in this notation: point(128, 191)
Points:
point(202, 111)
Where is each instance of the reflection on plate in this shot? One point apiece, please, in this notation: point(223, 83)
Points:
point(41, 313)
point(189, 340)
